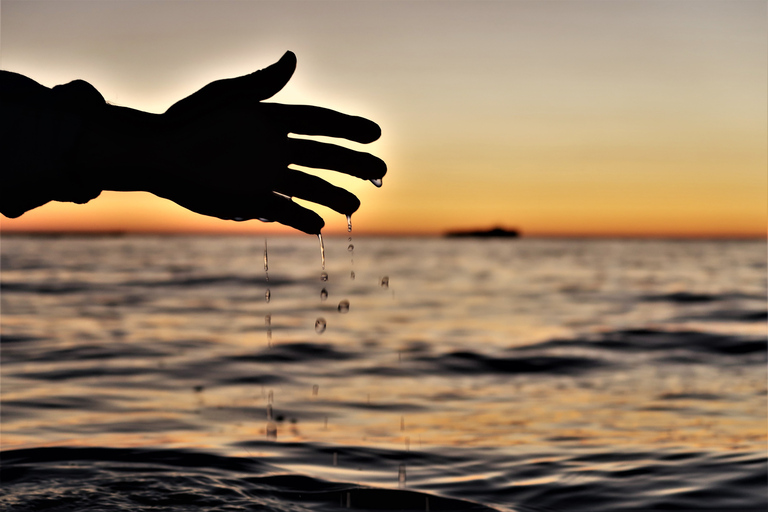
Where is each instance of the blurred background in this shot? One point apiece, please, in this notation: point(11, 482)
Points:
point(632, 118)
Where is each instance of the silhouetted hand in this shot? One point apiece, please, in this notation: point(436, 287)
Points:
point(223, 152)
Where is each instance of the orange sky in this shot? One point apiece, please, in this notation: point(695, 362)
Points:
point(639, 118)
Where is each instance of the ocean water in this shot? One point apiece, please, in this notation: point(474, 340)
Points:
point(175, 373)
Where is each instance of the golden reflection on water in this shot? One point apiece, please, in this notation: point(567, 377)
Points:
point(172, 401)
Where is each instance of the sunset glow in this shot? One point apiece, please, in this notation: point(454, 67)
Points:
point(586, 118)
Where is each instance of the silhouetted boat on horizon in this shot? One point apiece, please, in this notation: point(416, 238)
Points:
point(496, 232)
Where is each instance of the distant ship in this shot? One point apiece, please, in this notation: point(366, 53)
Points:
point(496, 232)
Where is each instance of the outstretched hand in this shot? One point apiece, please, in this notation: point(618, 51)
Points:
point(223, 152)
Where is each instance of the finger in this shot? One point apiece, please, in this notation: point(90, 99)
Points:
point(255, 87)
point(245, 206)
point(311, 120)
point(319, 155)
point(305, 186)
point(285, 211)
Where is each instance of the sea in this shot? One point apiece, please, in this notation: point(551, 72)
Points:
point(237, 373)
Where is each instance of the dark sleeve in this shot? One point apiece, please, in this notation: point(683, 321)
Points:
point(39, 132)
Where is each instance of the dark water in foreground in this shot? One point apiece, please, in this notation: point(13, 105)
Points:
point(150, 373)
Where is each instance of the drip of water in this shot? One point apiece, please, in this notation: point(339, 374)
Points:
point(270, 415)
point(324, 276)
point(315, 389)
point(401, 477)
point(266, 260)
point(384, 282)
point(322, 250)
point(271, 430)
point(270, 397)
point(320, 325)
point(352, 275)
point(268, 324)
point(350, 247)
point(267, 295)
point(344, 306)
point(349, 223)
point(377, 182)
point(323, 294)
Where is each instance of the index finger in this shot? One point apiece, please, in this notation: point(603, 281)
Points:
point(311, 120)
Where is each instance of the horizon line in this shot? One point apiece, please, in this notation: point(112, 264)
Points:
point(381, 234)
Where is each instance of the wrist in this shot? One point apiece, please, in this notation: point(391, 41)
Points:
point(119, 149)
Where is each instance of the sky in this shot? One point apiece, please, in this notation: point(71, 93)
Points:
point(558, 118)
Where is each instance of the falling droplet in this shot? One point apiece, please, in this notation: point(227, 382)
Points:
point(401, 476)
point(344, 306)
point(267, 295)
point(315, 389)
point(377, 182)
point(269, 412)
point(349, 223)
point(320, 325)
point(322, 250)
point(324, 276)
point(350, 247)
point(266, 257)
point(352, 275)
point(323, 294)
point(270, 397)
point(268, 324)
point(385, 282)
point(271, 430)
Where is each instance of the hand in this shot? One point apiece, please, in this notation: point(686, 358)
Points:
point(224, 153)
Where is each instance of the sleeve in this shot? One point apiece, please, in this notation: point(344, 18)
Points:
point(40, 129)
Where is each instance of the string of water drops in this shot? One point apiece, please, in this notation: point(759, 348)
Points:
point(351, 249)
point(267, 296)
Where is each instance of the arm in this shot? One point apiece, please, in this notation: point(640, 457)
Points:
point(224, 152)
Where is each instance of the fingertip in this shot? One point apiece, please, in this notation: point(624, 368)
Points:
point(370, 131)
point(288, 58)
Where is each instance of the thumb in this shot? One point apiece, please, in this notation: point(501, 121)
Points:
point(256, 86)
point(269, 81)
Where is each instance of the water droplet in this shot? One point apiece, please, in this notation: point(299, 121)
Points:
point(377, 182)
point(352, 275)
point(349, 223)
point(324, 276)
point(320, 325)
point(267, 295)
point(315, 389)
point(268, 320)
point(266, 258)
point(401, 476)
point(323, 294)
point(344, 306)
point(270, 396)
point(269, 412)
point(384, 282)
point(322, 250)
point(271, 430)
point(350, 247)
